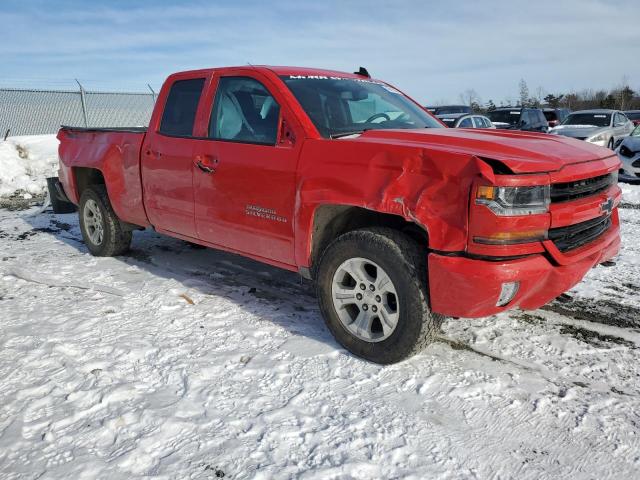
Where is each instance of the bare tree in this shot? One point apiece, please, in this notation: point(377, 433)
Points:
point(470, 97)
point(524, 93)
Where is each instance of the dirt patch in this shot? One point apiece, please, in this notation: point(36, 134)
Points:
point(630, 206)
point(456, 345)
point(18, 202)
point(594, 338)
point(531, 319)
point(602, 311)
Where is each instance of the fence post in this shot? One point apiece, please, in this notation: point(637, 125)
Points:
point(153, 93)
point(84, 104)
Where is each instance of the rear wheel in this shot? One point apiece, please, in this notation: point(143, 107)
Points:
point(372, 290)
point(101, 229)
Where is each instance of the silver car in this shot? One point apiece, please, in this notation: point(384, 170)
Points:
point(465, 120)
point(601, 127)
point(629, 154)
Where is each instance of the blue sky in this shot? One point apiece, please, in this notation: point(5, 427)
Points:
point(432, 50)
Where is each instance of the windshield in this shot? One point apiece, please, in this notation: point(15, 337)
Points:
point(636, 132)
point(339, 106)
point(504, 116)
point(595, 119)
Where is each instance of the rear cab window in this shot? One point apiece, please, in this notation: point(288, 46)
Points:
point(180, 108)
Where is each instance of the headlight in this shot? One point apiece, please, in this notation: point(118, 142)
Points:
point(513, 201)
point(598, 138)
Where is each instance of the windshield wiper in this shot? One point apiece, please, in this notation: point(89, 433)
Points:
point(346, 134)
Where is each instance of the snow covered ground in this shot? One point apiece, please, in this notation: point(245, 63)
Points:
point(185, 363)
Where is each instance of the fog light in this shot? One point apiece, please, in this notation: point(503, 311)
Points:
point(507, 293)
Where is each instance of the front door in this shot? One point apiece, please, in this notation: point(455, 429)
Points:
point(245, 174)
point(167, 161)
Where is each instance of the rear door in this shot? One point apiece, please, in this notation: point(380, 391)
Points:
point(167, 158)
point(245, 175)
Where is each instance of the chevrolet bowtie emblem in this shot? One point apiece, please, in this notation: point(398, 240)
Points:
point(607, 206)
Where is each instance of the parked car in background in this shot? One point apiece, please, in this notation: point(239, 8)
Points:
point(629, 154)
point(466, 120)
point(448, 109)
point(633, 115)
point(600, 126)
point(528, 119)
point(555, 116)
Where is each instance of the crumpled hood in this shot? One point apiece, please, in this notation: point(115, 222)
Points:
point(578, 131)
point(522, 152)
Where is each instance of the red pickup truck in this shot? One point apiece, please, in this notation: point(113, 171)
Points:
point(399, 220)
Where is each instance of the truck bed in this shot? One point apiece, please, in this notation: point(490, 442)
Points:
point(115, 154)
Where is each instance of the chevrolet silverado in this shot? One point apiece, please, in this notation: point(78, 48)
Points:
point(398, 220)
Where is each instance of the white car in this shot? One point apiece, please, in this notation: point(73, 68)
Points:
point(629, 154)
point(601, 127)
point(465, 120)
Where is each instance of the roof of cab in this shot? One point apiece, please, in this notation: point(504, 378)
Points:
point(279, 70)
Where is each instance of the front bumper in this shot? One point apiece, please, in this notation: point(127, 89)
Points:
point(468, 287)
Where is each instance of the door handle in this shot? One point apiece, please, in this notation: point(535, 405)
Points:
point(202, 166)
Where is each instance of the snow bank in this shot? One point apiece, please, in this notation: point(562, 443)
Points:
point(26, 162)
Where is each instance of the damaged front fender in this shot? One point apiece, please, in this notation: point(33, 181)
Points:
point(425, 187)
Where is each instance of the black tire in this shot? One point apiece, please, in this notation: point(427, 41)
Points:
point(610, 144)
point(115, 239)
point(406, 265)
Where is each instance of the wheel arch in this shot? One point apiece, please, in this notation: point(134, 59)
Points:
point(332, 220)
point(86, 176)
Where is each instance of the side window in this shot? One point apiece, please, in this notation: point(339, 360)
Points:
point(480, 122)
point(244, 111)
point(622, 119)
point(486, 122)
point(465, 123)
point(525, 117)
point(180, 107)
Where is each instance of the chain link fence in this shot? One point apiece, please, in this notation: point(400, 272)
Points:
point(36, 112)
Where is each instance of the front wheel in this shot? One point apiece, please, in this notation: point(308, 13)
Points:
point(101, 229)
point(610, 144)
point(372, 290)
